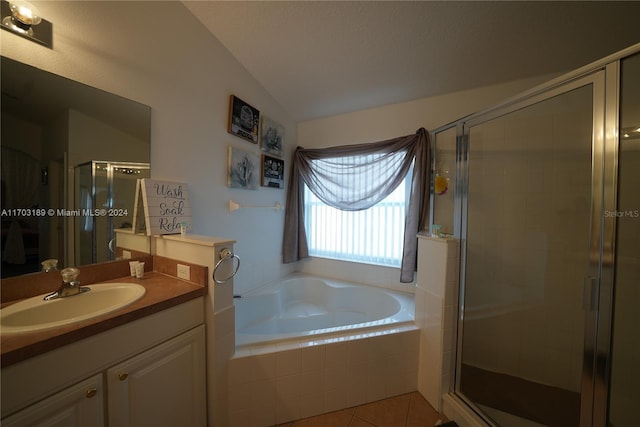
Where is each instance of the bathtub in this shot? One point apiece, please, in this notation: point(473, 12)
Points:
point(307, 307)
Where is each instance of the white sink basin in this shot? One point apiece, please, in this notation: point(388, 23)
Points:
point(36, 314)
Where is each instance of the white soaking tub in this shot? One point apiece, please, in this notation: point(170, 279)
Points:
point(308, 307)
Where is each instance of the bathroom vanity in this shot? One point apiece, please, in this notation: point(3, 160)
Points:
point(141, 365)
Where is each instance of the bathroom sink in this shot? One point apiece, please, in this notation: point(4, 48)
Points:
point(36, 314)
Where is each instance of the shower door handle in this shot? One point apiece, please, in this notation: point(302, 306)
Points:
point(589, 293)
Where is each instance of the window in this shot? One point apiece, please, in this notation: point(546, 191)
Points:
point(372, 236)
point(359, 176)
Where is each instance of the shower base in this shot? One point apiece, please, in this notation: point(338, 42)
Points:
point(543, 404)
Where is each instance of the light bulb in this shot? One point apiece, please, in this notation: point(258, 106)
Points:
point(25, 13)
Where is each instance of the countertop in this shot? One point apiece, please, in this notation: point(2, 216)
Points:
point(162, 291)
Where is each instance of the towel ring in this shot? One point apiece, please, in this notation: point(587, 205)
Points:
point(224, 255)
point(110, 245)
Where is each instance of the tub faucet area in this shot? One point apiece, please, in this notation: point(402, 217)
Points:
point(70, 285)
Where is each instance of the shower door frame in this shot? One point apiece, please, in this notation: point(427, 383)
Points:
point(604, 75)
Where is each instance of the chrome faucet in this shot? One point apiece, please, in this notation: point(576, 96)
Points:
point(70, 285)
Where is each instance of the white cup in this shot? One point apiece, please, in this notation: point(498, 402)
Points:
point(140, 270)
point(132, 267)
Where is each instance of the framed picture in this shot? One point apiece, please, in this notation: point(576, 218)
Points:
point(244, 120)
point(272, 137)
point(272, 172)
point(243, 170)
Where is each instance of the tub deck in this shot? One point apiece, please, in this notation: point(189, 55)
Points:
point(304, 309)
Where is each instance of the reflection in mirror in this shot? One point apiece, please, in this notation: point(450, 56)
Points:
point(51, 128)
point(107, 190)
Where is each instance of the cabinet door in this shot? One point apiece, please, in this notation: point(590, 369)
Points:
point(164, 386)
point(76, 406)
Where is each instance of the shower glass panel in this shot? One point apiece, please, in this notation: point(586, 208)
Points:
point(107, 190)
point(444, 180)
point(527, 240)
point(624, 392)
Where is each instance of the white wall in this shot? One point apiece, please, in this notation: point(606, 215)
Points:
point(21, 135)
point(390, 121)
point(166, 59)
point(394, 120)
point(158, 54)
point(91, 139)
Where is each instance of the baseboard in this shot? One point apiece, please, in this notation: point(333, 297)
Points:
point(456, 410)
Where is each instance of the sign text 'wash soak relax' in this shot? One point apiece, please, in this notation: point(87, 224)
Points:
point(166, 206)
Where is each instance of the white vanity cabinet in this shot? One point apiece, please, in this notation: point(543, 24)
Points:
point(149, 372)
point(164, 386)
point(78, 405)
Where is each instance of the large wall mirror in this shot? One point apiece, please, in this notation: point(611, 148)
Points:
point(71, 155)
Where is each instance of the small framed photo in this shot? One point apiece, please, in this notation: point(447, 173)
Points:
point(243, 169)
point(272, 137)
point(272, 172)
point(244, 120)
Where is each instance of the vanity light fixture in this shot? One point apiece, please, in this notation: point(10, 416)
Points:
point(22, 18)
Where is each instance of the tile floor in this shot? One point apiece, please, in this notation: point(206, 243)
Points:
point(405, 410)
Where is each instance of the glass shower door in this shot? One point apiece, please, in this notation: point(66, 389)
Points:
point(624, 392)
point(530, 259)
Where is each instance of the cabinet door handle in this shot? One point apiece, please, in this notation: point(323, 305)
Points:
point(91, 392)
point(122, 376)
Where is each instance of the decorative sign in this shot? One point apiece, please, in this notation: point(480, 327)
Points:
point(166, 206)
point(243, 119)
point(272, 137)
point(272, 172)
point(243, 169)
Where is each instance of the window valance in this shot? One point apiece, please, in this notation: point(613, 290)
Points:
point(356, 177)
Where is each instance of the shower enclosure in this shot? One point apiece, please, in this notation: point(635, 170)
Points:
point(547, 210)
point(104, 193)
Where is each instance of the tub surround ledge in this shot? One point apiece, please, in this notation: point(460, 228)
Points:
point(436, 302)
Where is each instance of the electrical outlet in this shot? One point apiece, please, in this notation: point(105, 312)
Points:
point(126, 254)
point(184, 272)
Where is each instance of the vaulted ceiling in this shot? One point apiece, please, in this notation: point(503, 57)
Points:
point(321, 58)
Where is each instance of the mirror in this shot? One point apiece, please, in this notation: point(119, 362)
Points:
point(52, 128)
